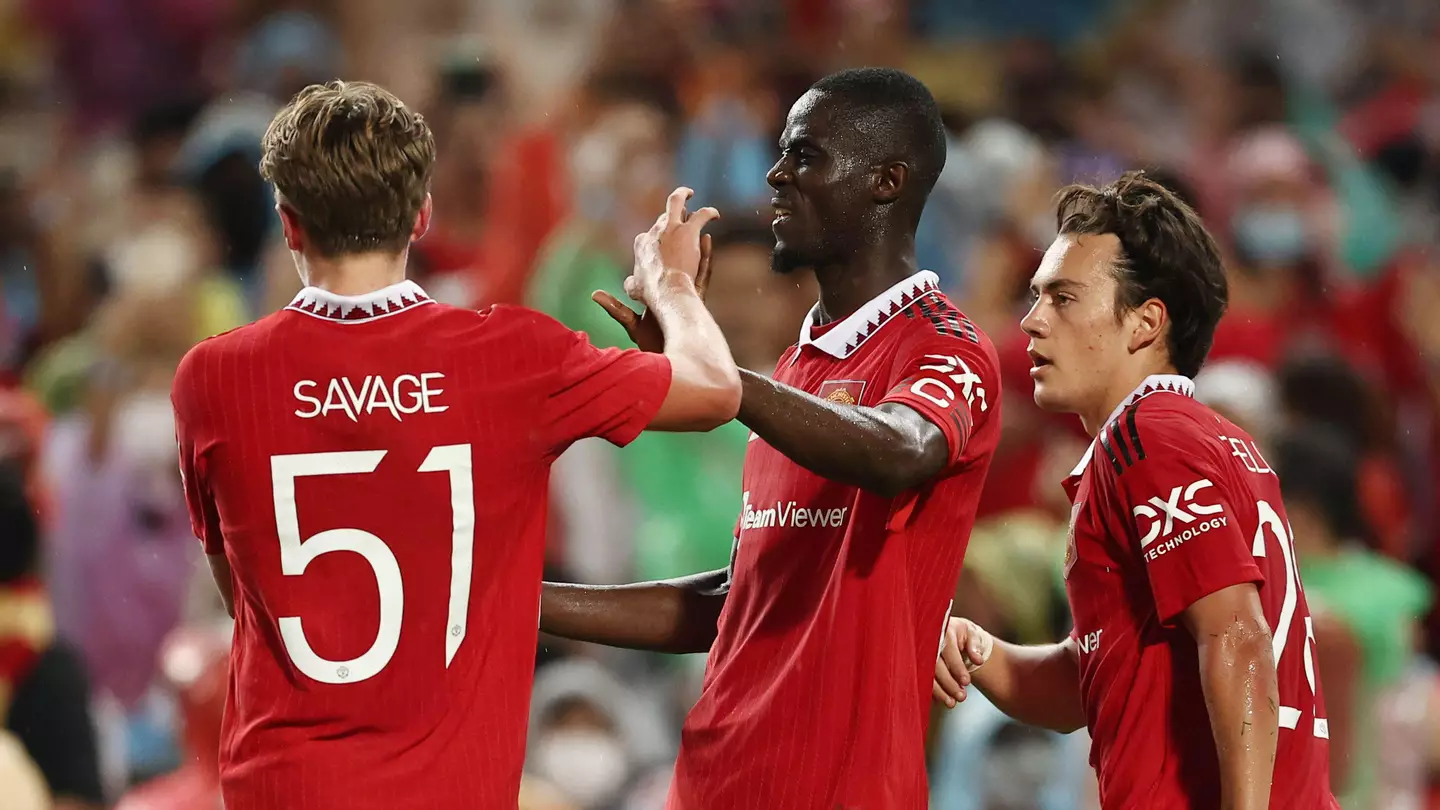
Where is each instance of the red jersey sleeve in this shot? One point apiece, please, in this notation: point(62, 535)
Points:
point(1185, 524)
point(611, 393)
point(186, 399)
point(950, 381)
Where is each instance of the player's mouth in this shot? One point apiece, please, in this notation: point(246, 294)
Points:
point(782, 210)
point(1038, 363)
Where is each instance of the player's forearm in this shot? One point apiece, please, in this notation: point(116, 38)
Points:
point(1037, 685)
point(672, 616)
point(703, 373)
point(1237, 674)
point(870, 448)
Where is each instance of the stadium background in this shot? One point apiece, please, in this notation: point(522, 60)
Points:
point(133, 223)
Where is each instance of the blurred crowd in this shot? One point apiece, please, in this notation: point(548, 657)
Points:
point(133, 223)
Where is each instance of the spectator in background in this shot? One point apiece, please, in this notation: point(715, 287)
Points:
point(618, 164)
point(115, 57)
point(1326, 392)
point(1283, 283)
point(732, 119)
point(44, 693)
point(121, 555)
point(195, 662)
point(499, 184)
point(1243, 392)
point(592, 737)
point(1368, 608)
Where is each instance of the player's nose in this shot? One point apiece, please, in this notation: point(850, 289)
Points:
point(779, 175)
point(1034, 324)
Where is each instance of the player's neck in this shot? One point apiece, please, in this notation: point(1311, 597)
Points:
point(355, 274)
point(1094, 419)
point(870, 271)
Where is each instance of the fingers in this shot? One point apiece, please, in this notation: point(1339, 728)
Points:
point(953, 657)
point(634, 288)
point(622, 314)
point(702, 277)
point(701, 218)
point(978, 649)
point(939, 695)
point(950, 688)
point(675, 205)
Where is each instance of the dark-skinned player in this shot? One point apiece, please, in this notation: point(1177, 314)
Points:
point(871, 442)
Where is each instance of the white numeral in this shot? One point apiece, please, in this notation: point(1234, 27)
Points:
point(1270, 519)
point(296, 555)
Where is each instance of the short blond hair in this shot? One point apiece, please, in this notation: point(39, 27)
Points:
point(353, 163)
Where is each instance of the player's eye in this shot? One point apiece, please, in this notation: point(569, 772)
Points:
point(1061, 299)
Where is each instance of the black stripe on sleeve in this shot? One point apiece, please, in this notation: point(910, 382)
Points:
point(1105, 443)
point(935, 318)
point(1133, 432)
point(1120, 443)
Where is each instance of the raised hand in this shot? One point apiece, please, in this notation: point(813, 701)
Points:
point(651, 249)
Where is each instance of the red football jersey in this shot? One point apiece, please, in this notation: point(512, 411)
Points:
point(375, 470)
point(817, 691)
point(1173, 503)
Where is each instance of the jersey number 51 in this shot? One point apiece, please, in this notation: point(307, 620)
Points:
point(296, 555)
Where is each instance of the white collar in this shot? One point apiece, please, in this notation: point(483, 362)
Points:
point(328, 306)
point(842, 339)
point(1154, 384)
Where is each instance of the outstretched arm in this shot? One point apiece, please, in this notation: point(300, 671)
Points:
point(671, 616)
point(886, 449)
point(1038, 685)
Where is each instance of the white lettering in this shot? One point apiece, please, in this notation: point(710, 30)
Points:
point(335, 401)
point(790, 515)
point(1180, 506)
point(1090, 642)
point(959, 374)
point(407, 395)
point(1156, 552)
point(419, 398)
point(376, 393)
point(1248, 454)
point(357, 401)
point(943, 400)
point(309, 400)
point(426, 392)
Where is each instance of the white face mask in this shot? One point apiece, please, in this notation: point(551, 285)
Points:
point(155, 261)
point(589, 766)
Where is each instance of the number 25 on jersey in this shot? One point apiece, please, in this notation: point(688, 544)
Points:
point(1270, 523)
point(296, 554)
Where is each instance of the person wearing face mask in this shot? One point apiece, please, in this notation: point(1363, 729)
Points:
point(1283, 290)
point(591, 737)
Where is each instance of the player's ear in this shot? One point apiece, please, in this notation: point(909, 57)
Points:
point(422, 220)
point(890, 181)
point(1147, 324)
point(290, 226)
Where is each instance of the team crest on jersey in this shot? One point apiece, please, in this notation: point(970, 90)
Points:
point(845, 392)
